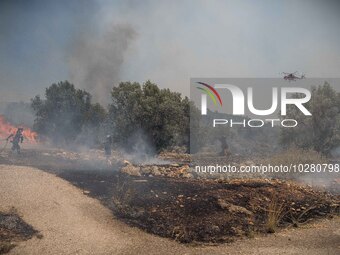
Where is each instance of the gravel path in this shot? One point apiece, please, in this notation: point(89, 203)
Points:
point(73, 223)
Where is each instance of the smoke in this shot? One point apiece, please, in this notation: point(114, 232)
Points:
point(140, 150)
point(96, 59)
point(75, 40)
point(18, 113)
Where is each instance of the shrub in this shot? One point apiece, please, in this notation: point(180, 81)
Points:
point(274, 214)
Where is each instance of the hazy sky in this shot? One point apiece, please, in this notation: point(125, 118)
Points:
point(96, 44)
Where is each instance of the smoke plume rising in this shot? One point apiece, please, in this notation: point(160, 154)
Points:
point(95, 61)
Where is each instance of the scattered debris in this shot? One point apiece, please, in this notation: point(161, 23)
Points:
point(233, 209)
point(130, 169)
point(166, 170)
point(182, 157)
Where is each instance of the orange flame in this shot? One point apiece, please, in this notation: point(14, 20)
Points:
point(7, 129)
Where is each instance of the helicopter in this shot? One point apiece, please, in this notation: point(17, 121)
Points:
point(292, 76)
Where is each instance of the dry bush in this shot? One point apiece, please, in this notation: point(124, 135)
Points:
point(274, 214)
point(297, 156)
point(122, 196)
point(294, 156)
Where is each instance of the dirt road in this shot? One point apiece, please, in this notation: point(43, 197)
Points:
point(73, 223)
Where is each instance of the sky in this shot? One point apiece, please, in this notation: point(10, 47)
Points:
point(97, 44)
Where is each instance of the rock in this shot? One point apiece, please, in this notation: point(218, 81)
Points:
point(233, 208)
point(155, 171)
point(187, 175)
point(131, 170)
point(146, 170)
point(126, 162)
point(184, 169)
point(215, 229)
point(174, 164)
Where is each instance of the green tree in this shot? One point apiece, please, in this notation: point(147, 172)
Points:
point(65, 112)
point(161, 115)
point(321, 131)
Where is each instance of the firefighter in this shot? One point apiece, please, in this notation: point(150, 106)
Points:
point(224, 147)
point(108, 145)
point(17, 138)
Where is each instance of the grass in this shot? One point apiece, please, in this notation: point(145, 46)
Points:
point(274, 214)
point(294, 156)
point(122, 196)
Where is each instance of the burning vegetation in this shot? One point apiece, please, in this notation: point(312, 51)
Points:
point(7, 129)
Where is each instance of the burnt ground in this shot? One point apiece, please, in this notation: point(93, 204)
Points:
point(188, 209)
point(205, 210)
point(12, 230)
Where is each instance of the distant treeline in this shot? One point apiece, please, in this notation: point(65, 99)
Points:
point(160, 118)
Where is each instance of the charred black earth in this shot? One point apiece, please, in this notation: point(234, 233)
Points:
point(12, 230)
point(190, 209)
point(205, 210)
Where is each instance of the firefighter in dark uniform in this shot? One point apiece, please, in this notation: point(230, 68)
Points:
point(17, 138)
point(108, 146)
point(108, 149)
point(224, 147)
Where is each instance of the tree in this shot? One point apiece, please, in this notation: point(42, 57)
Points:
point(65, 112)
point(321, 131)
point(161, 116)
